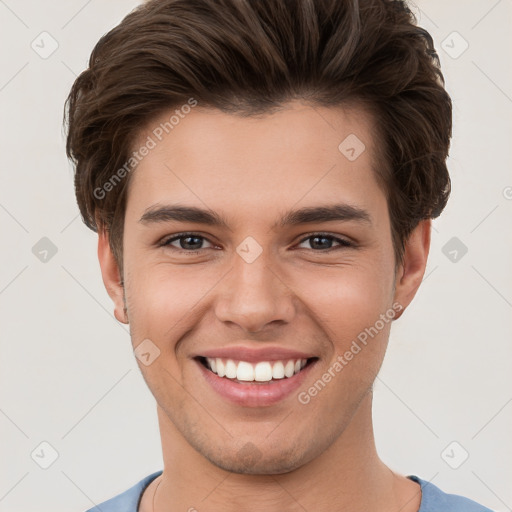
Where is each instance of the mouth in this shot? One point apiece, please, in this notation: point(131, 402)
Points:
point(254, 383)
point(261, 372)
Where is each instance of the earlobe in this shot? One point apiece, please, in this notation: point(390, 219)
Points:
point(411, 272)
point(111, 276)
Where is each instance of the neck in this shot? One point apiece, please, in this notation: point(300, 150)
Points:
point(347, 476)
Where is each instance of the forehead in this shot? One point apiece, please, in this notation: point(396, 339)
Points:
point(300, 154)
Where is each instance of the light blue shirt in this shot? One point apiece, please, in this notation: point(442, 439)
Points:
point(432, 499)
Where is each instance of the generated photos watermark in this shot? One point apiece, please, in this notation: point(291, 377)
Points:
point(151, 142)
point(304, 397)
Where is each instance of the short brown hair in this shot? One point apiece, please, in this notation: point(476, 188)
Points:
point(248, 57)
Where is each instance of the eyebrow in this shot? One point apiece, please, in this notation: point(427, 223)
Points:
point(337, 212)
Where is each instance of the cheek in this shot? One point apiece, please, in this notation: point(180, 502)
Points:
point(165, 300)
point(353, 308)
point(347, 299)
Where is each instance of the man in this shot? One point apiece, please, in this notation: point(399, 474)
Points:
point(262, 175)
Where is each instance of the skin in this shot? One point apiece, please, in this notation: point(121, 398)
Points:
point(289, 456)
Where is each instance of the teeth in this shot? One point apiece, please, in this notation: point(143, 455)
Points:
point(278, 370)
point(221, 369)
point(289, 369)
point(245, 371)
point(264, 371)
point(230, 369)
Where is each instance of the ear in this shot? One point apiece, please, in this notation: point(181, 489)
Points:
point(111, 276)
point(410, 273)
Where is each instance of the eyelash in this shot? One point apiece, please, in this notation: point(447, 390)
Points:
point(342, 241)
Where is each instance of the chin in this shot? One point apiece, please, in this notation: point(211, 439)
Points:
point(265, 465)
point(252, 460)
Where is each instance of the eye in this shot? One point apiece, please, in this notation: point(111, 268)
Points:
point(322, 241)
point(193, 242)
point(186, 242)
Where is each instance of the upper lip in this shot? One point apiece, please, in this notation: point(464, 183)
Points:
point(254, 355)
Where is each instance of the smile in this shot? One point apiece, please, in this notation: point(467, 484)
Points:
point(256, 383)
point(262, 371)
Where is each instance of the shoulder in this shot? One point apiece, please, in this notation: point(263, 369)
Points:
point(127, 501)
point(433, 499)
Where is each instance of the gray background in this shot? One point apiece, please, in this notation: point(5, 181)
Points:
point(68, 376)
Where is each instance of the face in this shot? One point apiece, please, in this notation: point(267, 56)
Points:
point(281, 251)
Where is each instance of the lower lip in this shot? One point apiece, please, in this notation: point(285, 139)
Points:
point(249, 394)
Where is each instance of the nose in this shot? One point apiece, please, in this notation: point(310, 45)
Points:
point(254, 295)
